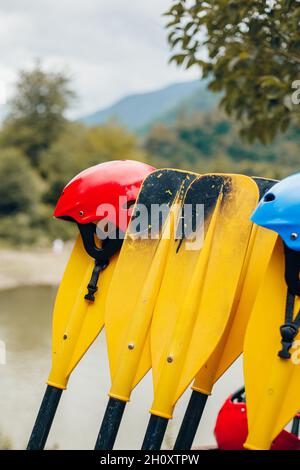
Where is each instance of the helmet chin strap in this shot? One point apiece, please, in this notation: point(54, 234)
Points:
point(292, 268)
point(290, 328)
point(239, 395)
point(101, 255)
point(110, 246)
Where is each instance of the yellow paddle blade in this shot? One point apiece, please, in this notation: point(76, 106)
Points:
point(136, 282)
point(198, 319)
point(76, 322)
point(258, 254)
point(272, 383)
point(176, 281)
point(259, 251)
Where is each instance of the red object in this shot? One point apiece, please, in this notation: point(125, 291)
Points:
point(103, 191)
point(231, 429)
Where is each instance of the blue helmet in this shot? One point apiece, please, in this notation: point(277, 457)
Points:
point(279, 210)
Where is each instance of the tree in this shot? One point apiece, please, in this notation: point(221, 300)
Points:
point(251, 52)
point(79, 147)
point(20, 186)
point(165, 148)
point(36, 116)
point(210, 142)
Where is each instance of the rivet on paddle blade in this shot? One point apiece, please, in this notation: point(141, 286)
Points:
point(65, 336)
point(294, 236)
point(81, 213)
point(130, 346)
point(169, 359)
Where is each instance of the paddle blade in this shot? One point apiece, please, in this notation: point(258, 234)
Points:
point(76, 322)
point(198, 323)
point(136, 281)
point(231, 345)
point(258, 255)
point(272, 383)
point(178, 272)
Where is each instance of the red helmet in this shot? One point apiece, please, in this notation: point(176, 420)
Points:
point(102, 192)
point(103, 184)
point(231, 428)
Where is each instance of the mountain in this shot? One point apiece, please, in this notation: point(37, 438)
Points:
point(139, 111)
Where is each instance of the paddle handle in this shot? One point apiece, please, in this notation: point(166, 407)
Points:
point(295, 426)
point(110, 424)
point(191, 421)
point(44, 418)
point(155, 433)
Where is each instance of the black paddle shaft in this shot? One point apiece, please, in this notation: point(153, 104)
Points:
point(110, 424)
point(191, 421)
point(295, 426)
point(155, 433)
point(44, 418)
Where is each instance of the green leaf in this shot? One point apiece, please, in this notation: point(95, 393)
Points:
point(271, 81)
point(191, 62)
point(188, 26)
point(178, 58)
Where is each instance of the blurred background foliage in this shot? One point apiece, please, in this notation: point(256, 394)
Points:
point(40, 151)
point(251, 52)
point(254, 132)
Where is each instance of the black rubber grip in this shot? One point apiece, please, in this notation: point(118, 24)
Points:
point(110, 424)
point(155, 433)
point(191, 421)
point(44, 418)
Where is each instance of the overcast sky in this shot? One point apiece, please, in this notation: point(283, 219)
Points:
point(110, 47)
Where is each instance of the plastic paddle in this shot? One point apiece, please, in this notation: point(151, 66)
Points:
point(133, 293)
point(230, 345)
point(196, 322)
point(272, 383)
point(76, 324)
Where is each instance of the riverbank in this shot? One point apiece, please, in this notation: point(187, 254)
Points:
point(32, 266)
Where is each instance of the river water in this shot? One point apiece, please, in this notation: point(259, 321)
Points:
point(25, 328)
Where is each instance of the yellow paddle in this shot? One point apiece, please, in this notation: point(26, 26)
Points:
point(76, 324)
point(272, 383)
point(198, 319)
point(133, 291)
point(230, 345)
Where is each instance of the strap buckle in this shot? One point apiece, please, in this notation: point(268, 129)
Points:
point(290, 328)
point(92, 285)
point(288, 333)
point(101, 255)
